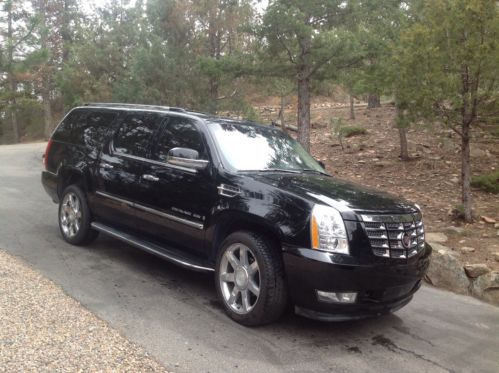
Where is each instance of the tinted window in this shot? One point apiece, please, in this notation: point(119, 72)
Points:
point(179, 133)
point(85, 127)
point(71, 129)
point(96, 128)
point(135, 132)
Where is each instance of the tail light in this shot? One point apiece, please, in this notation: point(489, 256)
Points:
point(46, 155)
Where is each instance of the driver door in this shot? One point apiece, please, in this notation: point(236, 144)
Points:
point(176, 199)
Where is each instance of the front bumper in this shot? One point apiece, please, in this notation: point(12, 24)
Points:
point(381, 288)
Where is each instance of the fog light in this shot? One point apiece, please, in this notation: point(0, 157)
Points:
point(330, 297)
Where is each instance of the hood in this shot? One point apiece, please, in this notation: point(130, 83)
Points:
point(346, 197)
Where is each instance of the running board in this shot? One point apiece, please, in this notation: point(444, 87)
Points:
point(151, 248)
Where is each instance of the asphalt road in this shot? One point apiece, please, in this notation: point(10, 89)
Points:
point(173, 313)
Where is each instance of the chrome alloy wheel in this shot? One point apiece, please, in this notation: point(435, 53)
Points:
point(70, 215)
point(239, 278)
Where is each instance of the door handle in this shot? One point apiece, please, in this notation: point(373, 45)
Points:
point(150, 177)
point(107, 166)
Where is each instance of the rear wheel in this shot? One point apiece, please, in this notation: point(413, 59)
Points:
point(74, 217)
point(250, 279)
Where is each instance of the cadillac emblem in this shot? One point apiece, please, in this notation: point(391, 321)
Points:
point(406, 240)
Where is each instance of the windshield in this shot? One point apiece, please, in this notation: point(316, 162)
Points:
point(248, 147)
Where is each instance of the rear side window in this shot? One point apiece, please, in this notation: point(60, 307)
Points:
point(135, 133)
point(71, 128)
point(85, 127)
point(96, 129)
point(179, 133)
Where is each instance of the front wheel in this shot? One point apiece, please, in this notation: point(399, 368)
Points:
point(74, 217)
point(250, 279)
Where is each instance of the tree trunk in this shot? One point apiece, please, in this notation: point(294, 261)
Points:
point(373, 101)
point(47, 110)
point(46, 81)
point(10, 74)
point(304, 111)
point(466, 173)
point(66, 39)
point(280, 117)
point(214, 39)
point(404, 152)
point(213, 95)
point(352, 108)
point(13, 121)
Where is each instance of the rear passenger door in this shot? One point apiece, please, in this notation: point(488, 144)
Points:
point(177, 199)
point(120, 167)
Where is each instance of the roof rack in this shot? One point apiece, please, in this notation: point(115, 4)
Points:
point(135, 106)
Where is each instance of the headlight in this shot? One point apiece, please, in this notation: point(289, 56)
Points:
point(328, 230)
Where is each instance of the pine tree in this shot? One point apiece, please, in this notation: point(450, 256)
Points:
point(449, 70)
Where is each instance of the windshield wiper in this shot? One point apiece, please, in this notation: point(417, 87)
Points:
point(314, 171)
point(274, 170)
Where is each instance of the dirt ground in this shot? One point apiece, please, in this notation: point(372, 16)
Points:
point(431, 178)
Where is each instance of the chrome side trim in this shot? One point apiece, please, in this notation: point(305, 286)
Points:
point(157, 163)
point(177, 219)
point(168, 216)
point(117, 199)
point(147, 247)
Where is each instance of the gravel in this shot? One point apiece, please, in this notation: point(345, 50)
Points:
point(43, 329)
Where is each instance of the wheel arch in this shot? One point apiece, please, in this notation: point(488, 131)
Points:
point(229, 222)
point(69, 176)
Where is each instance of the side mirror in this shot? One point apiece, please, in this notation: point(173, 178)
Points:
point(187, 158)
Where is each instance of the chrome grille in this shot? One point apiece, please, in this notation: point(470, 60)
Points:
point(395, 236)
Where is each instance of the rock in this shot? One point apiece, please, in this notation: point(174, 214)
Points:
point(476, 270)
point(496, 256)
point(477, 152)
point(446, 271)
point(454, 230)
point(486, 287)
point(488, 220)
point(436, 237)
point(496, 225)
point(467, 250)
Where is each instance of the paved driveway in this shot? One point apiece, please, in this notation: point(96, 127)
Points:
point(174, 313)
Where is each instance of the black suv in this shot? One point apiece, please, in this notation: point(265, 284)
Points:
point(243, 200)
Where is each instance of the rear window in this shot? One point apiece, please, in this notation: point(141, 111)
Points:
point(85, 127)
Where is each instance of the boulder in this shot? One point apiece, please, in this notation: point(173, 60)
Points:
point(476, 270)
point(486, 287)
point(454, 230)
point(446, 271)
point(488, 220)
point(496, 256)
point(437, 237)
point(467, 250)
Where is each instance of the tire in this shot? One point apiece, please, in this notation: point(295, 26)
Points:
point(75, 217)
point(237, 280)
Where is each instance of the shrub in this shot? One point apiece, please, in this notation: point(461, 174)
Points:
point(350, 131)
point(488, 182)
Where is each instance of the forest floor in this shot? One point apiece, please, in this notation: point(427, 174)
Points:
point(431, 178)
